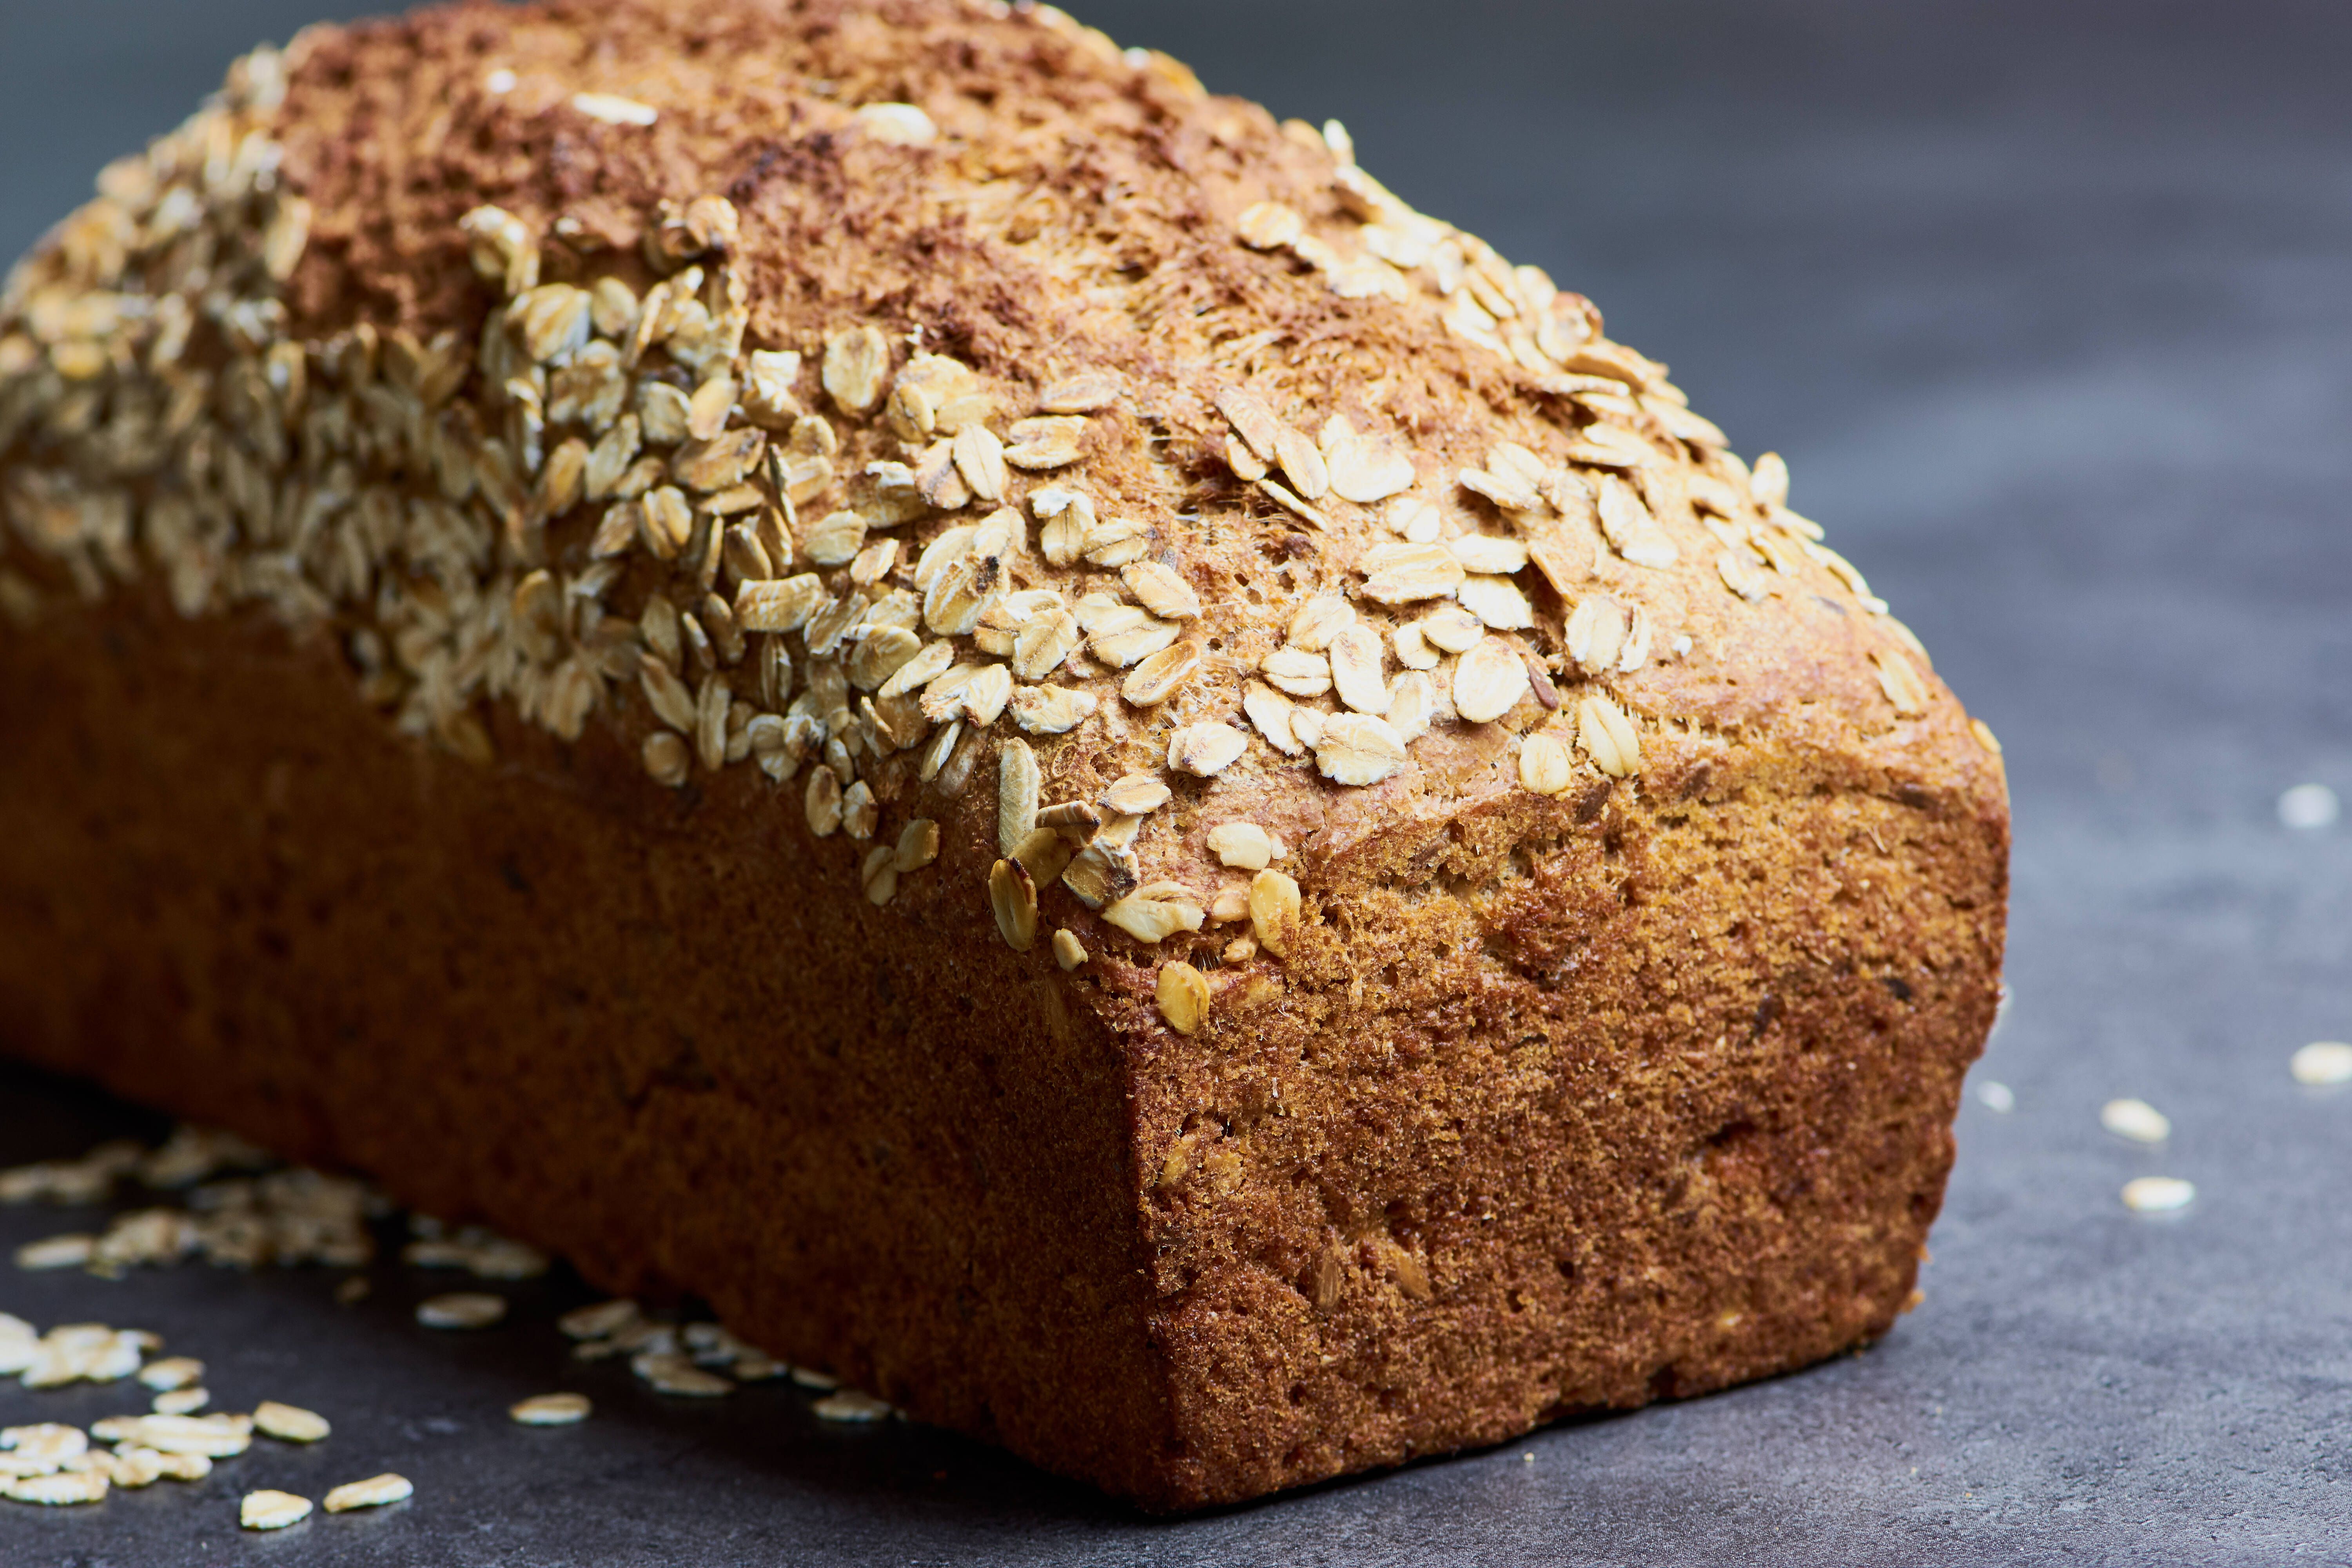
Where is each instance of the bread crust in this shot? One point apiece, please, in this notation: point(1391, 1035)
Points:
point(1580, 1077)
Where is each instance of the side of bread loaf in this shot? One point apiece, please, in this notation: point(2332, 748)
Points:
point(983, 706)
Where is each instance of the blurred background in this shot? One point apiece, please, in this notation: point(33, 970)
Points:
point(2049, 307)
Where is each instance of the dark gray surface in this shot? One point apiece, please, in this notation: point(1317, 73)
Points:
point(2050, 308)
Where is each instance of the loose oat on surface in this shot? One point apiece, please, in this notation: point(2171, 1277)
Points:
point(549, 1410)
point(595, 1322)
point(69, 1252)
point(375, 1492)
point(2309, 807)
point(58, 1489)
point(272, 1510)
point(2136, 1120)
point(171, 1373)
point(461, 1310)
point(850, 1406)
point(2157, 1194)
point(289, 1423)
point(2322, 1062)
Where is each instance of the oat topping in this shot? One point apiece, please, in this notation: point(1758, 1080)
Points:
point(898, 124)
point(848, 562)
point(1013, 894)
point(1901, 682)
point(1274, 906)
point(1545, 766)
point(1607, 737)
point(1184, 996)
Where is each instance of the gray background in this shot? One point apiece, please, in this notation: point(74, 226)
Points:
point(2050, 306)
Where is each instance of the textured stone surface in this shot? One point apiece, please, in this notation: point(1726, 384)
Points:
point(2052, 334)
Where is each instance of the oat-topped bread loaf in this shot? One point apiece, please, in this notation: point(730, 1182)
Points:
point(878, 661)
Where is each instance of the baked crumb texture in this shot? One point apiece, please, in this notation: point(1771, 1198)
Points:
point(882, 662)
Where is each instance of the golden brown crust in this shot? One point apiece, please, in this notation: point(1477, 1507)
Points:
point(1595, 1036)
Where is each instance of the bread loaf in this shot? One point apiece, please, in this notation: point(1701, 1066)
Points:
point(880, 662)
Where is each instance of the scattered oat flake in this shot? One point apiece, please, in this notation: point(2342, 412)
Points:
point(46, 1445)
point(2158, 1195)
point(595, 1322)
point(131, 1467)
point(178, 1467)
point(2323, 1062)
point(849, 1405)
point(289, 1423)
point(69, 1252)
point(2308, 806)
point(550, 1410)
point(217, 1436)
point(272, 1510)
point(373, 1492)
point(2136, 1120)
point(1995, 1096)
point(171, 1373)
point(461, 1310)
point(57, 1490)
point(676, 1375)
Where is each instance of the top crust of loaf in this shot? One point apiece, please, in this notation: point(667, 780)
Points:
point(677, 381)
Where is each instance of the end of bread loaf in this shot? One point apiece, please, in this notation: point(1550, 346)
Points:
point(1290, 860)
